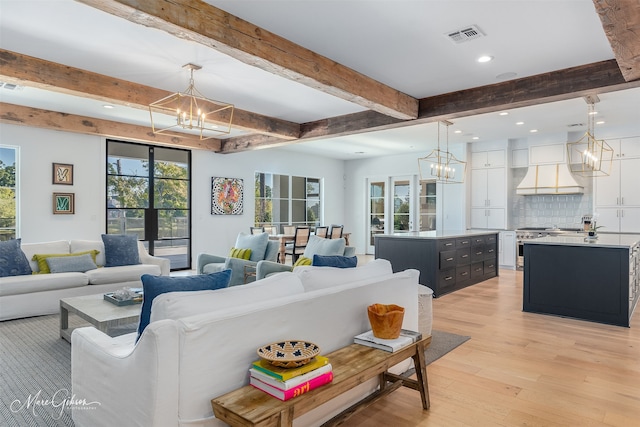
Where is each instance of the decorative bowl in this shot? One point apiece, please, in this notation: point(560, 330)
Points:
point(385, 320)
point(289, 354)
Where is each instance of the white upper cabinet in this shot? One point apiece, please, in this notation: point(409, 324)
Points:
point(520, 158)
point(488, 159)
point(628, 148)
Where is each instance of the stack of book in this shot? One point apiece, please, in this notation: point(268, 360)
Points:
point(406, 338)
point(286, 383)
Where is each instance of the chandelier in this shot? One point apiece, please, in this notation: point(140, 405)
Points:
point(589, 156)
point(191, 112)
point(442, 164)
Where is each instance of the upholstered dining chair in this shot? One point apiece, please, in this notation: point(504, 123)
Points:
point(336, 231)
point(288, 229)
point(272, 230)
point(256, 230)
point(300, 239)
point(322, 231)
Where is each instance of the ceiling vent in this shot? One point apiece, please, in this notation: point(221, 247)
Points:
point(464, 35)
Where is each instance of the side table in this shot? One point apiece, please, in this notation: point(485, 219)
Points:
point(352, 365)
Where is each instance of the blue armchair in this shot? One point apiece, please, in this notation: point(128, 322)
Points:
point(316, 246)
point(262, 249)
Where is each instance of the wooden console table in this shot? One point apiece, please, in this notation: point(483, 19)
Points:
point(352, 365)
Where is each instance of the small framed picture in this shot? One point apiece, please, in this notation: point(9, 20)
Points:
point(63, 203)
point(62, 174)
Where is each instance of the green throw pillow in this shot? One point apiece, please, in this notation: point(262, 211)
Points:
point(240, 253)
point(41, 259)
point(303, 261)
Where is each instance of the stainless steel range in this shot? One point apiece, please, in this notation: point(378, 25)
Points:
point(528, 233)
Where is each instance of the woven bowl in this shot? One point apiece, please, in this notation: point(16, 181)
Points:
point(385, 320)
point(289, 354)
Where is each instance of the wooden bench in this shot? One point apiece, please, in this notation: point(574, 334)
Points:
point(352, 365)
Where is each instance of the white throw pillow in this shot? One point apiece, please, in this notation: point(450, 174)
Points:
point(176, 305)
point(314, 278)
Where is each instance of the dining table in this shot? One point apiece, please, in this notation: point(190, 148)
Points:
point(285, 238)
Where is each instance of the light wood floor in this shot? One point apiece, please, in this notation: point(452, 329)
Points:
point(520, 369)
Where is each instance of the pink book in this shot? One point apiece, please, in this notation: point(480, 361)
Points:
point(295, 391)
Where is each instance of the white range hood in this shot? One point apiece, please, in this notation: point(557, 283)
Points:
point(549, 179)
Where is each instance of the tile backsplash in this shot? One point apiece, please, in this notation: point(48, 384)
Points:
point(564, 211)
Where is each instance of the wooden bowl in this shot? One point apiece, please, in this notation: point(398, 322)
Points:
point(385, 320)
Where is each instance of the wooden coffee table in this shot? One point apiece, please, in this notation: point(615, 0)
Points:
point(95, 310)
point(352, 365)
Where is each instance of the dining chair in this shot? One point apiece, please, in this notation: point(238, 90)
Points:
point(289, 229)
point(322, 231)
point(256, 230)
point(271, 229)
point(335, 231)
point(300, 239)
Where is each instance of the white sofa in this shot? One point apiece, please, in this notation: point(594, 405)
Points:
point(40, 294)
point(199, 345)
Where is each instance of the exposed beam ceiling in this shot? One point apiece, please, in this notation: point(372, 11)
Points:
point(621, 23)
point(200, 22)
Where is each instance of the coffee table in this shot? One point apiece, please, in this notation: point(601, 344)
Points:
point(352, 365)
point(95, 310)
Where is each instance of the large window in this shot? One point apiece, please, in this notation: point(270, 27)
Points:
point(8, 205)
point(284, 199)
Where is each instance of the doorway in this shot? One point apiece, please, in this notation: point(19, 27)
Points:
point(149, 194)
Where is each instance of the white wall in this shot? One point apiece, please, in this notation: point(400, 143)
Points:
point(39, 148)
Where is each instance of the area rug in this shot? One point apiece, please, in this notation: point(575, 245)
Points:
point(35, 370)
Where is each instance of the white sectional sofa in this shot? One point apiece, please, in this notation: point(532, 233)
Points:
point(40, 294)
point(199, 345)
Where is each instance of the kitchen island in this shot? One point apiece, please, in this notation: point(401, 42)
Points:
point(447, 260)
point(593, 280)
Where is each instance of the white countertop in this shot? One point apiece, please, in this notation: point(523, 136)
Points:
point(612, 240)
point(439, 234)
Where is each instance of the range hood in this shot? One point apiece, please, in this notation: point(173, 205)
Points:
point(549, 179)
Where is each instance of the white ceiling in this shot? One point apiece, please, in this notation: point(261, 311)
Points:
point(400, 43)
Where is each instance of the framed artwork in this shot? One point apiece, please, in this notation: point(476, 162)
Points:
point(226, 196)
point(64, 203)
point(62, 174)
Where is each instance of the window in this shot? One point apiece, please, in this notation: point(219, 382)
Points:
point(284, 199)
point(8, 193)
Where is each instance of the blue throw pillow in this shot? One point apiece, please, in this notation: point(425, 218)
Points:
point(256, 242)
point(335, 261)
point(13, 262)
point(78, 263)
point(156, 285)
point(120, 249)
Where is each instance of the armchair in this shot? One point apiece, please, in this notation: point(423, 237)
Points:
point(262, 249)
point(316, 246)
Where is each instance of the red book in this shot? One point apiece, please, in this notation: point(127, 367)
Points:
point(295, 391)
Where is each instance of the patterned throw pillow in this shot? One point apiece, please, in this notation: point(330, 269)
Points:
point(120, 249)
point(240, 253)
point(302, 261)
point(13, 262)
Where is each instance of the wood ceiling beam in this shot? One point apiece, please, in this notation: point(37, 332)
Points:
point(53, 120)
point(198, 21)
point(33, 72)
point(621, 22)
point(590, 79)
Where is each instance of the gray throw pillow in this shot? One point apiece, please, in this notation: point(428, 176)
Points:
point(120, 249)
point(13, 262)
point(256, 242)
point(78, 263)
point(320, 246)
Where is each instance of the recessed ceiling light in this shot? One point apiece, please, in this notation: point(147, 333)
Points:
point(601, 122)
point(504, 113)
point(108, 106)
point(475, 137)
point(485, 58)
point(519, 123)
point(593, 113)
point(506, 76)
point(533, 130)
point(457, 131)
